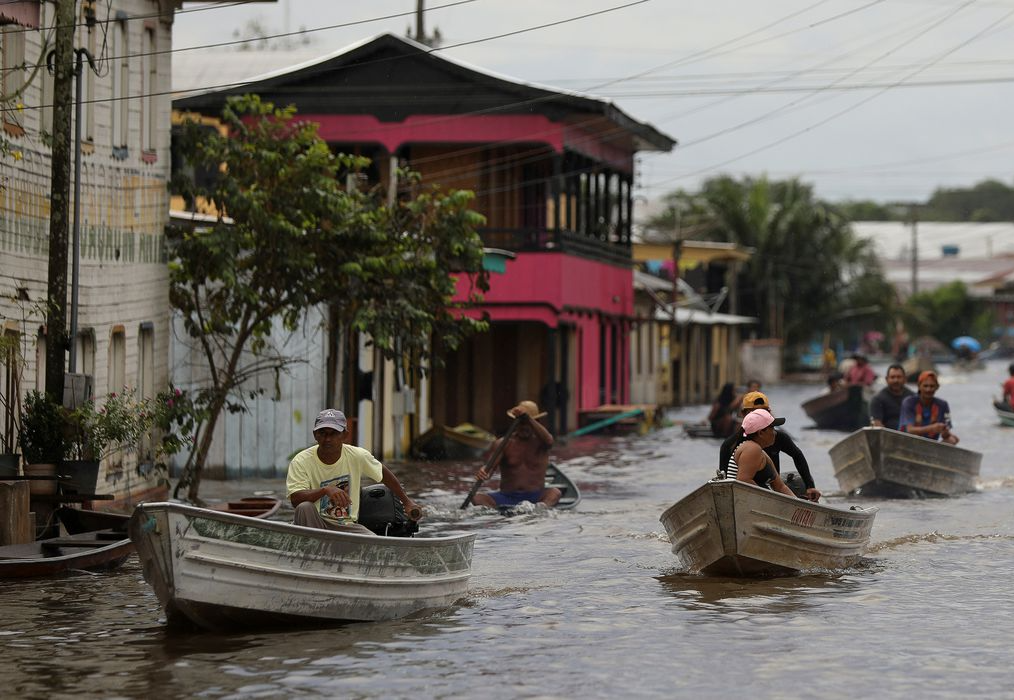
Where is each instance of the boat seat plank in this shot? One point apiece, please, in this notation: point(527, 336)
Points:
point(70, 542)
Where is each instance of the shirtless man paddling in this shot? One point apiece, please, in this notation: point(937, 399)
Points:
point(523, 463)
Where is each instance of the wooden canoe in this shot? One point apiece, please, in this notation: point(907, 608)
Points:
point(844, 409)
point(96, 542)
point(219, 571)
point(698, 430)
point(464, 441)
point(888, 463)
point(251, 506)
point(1004, 412)
point(570, 496)
point(732, 528)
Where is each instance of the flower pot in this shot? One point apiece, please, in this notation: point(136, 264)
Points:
point(79, 475)
point(9, 465)
point(40, 486)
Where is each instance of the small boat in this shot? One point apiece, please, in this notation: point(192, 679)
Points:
point(698, 430)
point(251, 506)
point(844, 409)
point(463, 441)
point(1004, 412)
point(95, 542)
point(888, 463)
point(569, 494)
point(219, 571)
point(732, 528)
point(618, 419)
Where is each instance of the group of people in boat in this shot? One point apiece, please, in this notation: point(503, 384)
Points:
point(751, 453)
point(323, 481)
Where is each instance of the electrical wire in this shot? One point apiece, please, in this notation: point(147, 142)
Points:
point(850, 108)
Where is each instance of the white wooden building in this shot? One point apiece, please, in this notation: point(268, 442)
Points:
point(123, 327)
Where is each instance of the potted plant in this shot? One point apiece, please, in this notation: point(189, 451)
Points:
point(42, 439)
point(97, 432)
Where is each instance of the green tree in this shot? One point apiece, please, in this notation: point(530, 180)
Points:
point(989, 200)
point(807, 269)
point(290, 237)
point(948, 312)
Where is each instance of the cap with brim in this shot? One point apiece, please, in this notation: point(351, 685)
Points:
point(926, 375)
point(755, 399)
point(759, 419)
point(330, 418)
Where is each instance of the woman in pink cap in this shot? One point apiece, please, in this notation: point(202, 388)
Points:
point(749, 462)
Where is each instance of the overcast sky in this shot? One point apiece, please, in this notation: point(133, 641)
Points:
point(864, 99)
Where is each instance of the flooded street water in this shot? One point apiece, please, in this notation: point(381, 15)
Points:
point(589, 602)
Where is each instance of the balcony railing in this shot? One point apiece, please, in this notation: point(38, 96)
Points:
point(549, 241)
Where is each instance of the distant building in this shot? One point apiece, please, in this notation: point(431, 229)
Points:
point(684, 349)
point(981, 256)
point(553, 174)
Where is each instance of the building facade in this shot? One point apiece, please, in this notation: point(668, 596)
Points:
point(122, 335)
point(553, 174)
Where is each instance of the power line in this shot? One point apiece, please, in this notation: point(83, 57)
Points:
point(852, 107)
point(153, 15)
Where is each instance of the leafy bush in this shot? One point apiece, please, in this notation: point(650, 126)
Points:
point(42, 430)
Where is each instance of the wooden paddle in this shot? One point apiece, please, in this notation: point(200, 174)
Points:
point(493, 458)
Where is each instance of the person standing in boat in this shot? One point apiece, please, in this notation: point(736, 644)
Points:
point(323, 481)
point(783, 443)
point(721, 417)
point(749, 462)
point(860, 373)
point(926, 415)
point(523, 463)
point(885, 407)
point(1008, 387)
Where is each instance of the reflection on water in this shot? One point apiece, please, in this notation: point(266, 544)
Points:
point(588, 602)
point(788, 594)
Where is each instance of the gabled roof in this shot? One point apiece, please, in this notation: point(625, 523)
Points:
point(393, 77)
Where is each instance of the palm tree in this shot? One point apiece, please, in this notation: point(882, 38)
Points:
point(807, 266)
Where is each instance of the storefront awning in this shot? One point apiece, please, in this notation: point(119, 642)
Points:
point(685, 317)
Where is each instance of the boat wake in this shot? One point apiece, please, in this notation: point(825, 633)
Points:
point(931, 537)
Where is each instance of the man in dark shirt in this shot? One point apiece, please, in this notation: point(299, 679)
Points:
point(783, 443)
point(885, 407)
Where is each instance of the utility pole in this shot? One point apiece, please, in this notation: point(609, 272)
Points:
point(62, 62)
point(420, 13)
point(420, 28)
point(914, 216)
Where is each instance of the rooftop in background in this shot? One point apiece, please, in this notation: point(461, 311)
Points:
point(971, 240)
point(370, 77)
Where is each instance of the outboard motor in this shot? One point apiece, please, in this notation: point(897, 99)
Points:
point(384, 514)
point(795, 483)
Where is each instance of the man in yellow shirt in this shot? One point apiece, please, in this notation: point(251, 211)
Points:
point(323, 481)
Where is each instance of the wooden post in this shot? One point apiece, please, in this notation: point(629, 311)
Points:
point(15, 525)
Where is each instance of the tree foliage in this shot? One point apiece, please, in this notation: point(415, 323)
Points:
point(808, 269)
point(986, 201)
point(946, 313)
point(289, 237)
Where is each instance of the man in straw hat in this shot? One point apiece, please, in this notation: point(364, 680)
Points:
point(782, 443)
point(523, 463)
